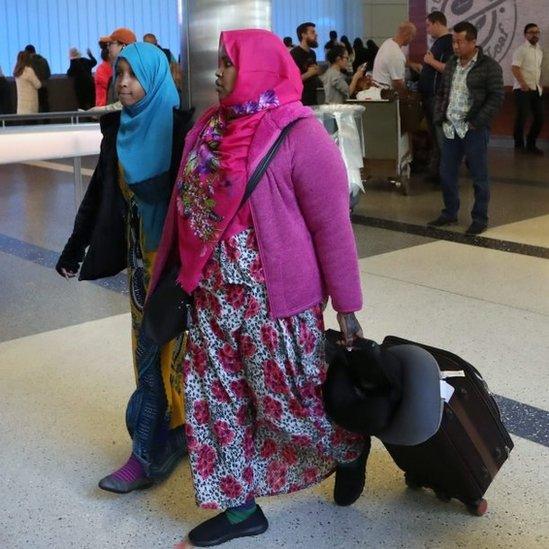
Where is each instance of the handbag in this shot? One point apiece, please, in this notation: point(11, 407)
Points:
point(392, 390)
point(167, 309)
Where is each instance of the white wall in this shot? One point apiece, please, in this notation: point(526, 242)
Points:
point(501, 27)
point(382, 17)
point(53, 26)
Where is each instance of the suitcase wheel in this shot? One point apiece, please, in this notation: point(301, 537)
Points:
point(411, 482)
point(478, 508)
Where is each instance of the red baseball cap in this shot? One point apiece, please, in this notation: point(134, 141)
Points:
point(123, 35)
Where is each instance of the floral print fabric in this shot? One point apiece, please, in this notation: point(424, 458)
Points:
point(200, 177)
point(255, 420)
point(267, 100)
point(212, 180)
point(140, 267)
point(197, 183)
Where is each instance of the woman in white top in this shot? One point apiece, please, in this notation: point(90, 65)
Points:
point(27, 85)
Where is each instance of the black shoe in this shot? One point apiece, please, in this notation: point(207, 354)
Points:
point(442, 220)
point(218, 529)
point(535, 150)
point(131, 476)
point(475, 228)
point(350, 479)
point(112, 483)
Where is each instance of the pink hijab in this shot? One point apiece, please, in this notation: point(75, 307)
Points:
point(213, 177)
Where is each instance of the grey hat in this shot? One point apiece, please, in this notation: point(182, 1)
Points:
point(393, 394)
point(419, 413)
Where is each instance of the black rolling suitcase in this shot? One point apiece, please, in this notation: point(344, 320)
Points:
point(463, 457)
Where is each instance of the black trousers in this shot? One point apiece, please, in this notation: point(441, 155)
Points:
point(528, 103)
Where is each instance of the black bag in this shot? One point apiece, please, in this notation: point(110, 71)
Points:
point(461, 460)
point(390, 392)
point(166, 311)
point(165, 315)
point(362, 387)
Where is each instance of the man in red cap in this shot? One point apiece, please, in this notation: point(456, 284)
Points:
point(117, 40)
point(115, 43)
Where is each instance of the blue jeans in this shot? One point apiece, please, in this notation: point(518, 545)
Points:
point(474, 147)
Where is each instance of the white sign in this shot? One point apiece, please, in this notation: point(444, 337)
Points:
point(500, 25)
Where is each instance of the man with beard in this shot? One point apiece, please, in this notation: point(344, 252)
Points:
point(305, 59)
point(526, 68)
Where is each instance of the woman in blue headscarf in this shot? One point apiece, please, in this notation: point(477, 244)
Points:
point(120, 222)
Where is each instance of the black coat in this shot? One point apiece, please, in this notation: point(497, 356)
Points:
point(84, 87)
point(485, 85)
point(100, 224)
point(361, 57)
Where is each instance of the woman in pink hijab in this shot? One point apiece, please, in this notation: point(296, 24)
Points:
point(260, 275)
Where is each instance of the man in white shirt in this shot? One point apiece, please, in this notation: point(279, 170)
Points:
point(390, 63)
point(526, 68)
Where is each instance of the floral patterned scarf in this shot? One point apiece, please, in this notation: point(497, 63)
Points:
point(213, 178)
point(201, 175)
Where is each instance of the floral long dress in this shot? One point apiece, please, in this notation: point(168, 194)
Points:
point(255, 420)
point(155, 414)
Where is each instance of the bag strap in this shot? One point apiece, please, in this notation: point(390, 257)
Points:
point(259, 172)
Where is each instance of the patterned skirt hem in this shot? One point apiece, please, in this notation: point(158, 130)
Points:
point(227, 503)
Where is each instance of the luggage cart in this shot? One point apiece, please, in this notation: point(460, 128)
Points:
point(386, 148)
point(344, 124)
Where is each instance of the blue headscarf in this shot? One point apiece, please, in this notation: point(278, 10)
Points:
point(144, 141)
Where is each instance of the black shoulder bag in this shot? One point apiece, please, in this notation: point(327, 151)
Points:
point(166, 312)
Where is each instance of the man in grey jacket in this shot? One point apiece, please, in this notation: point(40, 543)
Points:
point(468, 99)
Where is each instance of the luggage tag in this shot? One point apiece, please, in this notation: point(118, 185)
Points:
point(444, 374)
point(447, 390)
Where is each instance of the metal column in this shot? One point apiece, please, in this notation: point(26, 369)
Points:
point(201, 21)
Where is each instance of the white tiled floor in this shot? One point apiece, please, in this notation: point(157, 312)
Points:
point(495, 313)
point(66, 392)
point(533, 231)
point(508, 279)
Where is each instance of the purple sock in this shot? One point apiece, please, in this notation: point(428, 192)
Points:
point(131, 471)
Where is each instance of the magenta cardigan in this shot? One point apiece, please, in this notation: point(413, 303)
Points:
point(300, 211)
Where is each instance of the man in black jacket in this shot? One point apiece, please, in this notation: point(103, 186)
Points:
point(80, 70)
point(430, 79)
point(41, 67)
point(468, 99)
